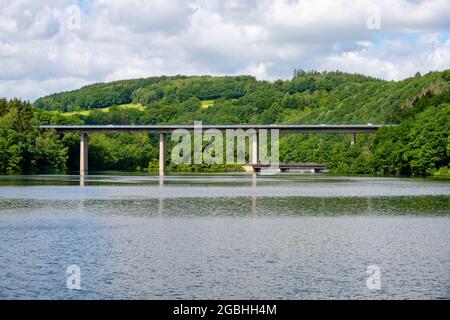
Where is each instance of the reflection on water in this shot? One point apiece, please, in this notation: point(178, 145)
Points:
point(224, 236)
point(238, 206)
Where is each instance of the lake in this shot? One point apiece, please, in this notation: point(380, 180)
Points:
point(229, 236)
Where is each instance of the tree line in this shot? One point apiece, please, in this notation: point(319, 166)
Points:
point(420, 104)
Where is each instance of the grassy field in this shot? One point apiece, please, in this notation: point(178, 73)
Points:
point(207, 103)
point(122, 106)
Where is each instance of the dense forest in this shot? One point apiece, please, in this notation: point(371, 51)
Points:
point(420, 104)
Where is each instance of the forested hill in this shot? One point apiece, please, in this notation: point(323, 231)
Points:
point(420, 145)
point(309, 97)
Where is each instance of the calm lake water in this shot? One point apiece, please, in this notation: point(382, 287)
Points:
point(231, 236)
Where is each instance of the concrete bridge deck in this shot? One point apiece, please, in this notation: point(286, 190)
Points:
point(314, 128)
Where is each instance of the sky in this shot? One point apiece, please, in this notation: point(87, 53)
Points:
point(49, 46)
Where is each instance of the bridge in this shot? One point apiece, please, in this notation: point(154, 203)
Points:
point(311, 167)
point(162, 130)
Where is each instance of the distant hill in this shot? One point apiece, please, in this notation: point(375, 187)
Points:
point(330, 97)
point(309, 97)
point(148, 90)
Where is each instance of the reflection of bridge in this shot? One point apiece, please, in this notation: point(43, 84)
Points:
point(162, 130)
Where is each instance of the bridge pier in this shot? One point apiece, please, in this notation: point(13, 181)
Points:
point(83, 153)
point(254, 159)
point(353, 141)
point(162, 153)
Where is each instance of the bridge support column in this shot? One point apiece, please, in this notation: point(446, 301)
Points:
point(162, 153)
point(353, 141)
point(255, 149)
point(83, 154)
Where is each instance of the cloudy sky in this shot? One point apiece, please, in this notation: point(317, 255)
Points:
point(48, 46)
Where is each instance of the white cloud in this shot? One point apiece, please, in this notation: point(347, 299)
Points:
point(43, 51)
point(259, 70)
point(25, 88)
point(395, 60)
point(147, 15)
